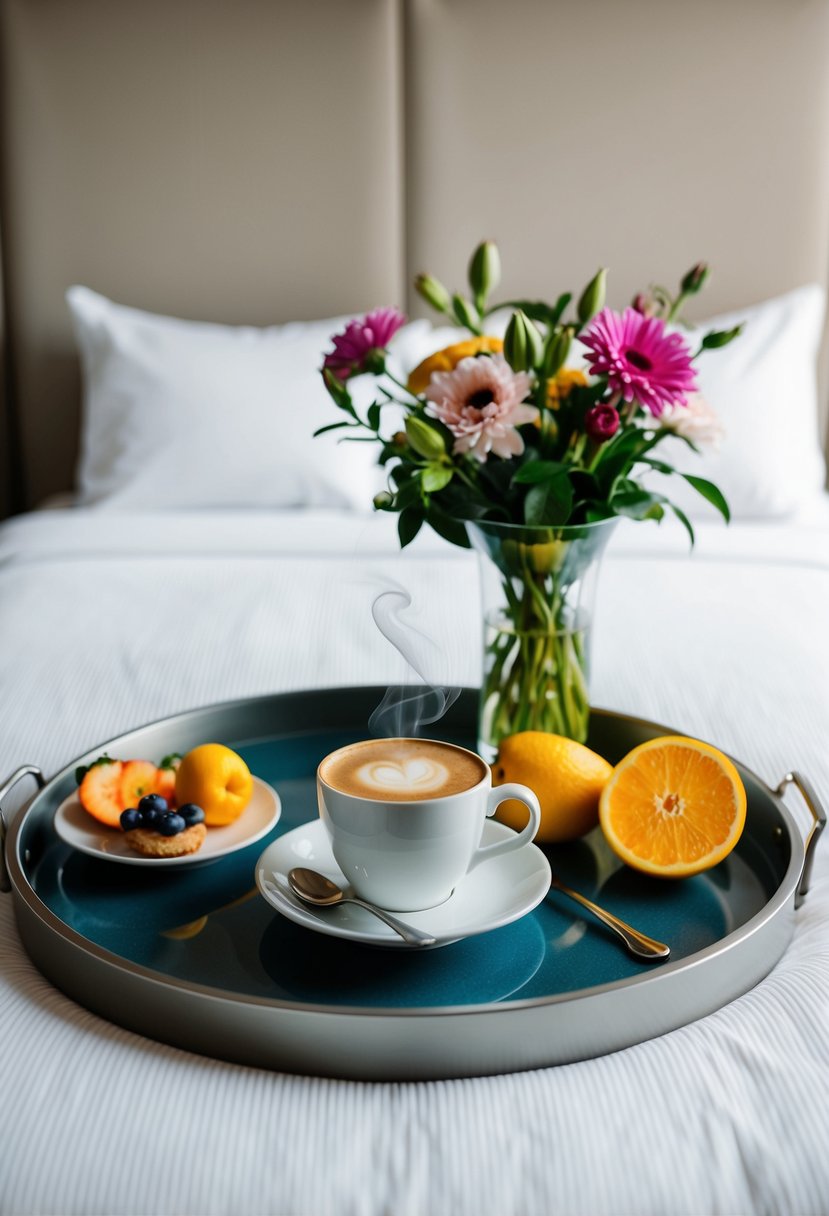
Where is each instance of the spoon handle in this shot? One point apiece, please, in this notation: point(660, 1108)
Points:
point(408, 932)
point(637, 943)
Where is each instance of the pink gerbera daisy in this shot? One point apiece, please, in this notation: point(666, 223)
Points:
point(482, 402)
point(640, 359)
point(360, 340)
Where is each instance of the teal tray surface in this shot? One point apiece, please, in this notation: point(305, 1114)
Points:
point(207, 925)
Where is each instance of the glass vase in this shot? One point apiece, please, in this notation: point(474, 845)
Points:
point(539, 593)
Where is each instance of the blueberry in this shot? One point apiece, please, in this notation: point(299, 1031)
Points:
point(191, 813)
point(153, 802)
point(131, 819)
point(150, 819)
point(171, 824)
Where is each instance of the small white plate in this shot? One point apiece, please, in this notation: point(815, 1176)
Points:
point(494, 894)
point(76, 827)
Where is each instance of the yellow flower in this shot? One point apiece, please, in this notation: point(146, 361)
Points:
point(447, 360)
point(562, 384)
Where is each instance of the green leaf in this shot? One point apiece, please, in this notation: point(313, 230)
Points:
point(408, 525)
point(447, 527)
point(596, 512)
point(659, 465)
point(618, 457)
point(332, 426)
point(638, 504)
point(683, 439)
point(403, 472)
point(537, 309)
point(409, 494)
point(170, 761)
point(83, 769)
point(535, 471)
point(436, 476)
point(549, 502)
point(710, 492)
point(373, 415)
point(685, 521)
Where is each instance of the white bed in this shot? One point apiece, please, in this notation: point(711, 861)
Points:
point(118, 619)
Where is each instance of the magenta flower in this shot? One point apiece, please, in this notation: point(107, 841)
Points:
point(602, 422)
point(356, 347)
point(481, 402)
point(640, 360)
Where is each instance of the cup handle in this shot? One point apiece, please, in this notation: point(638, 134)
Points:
point(497, 795)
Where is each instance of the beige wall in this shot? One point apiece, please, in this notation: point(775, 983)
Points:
point(252, 161)
point(228, 160)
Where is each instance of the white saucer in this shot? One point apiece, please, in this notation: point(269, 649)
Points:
point(76, 827)
point(494, 894)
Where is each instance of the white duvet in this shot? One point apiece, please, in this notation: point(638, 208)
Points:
point(108, 621)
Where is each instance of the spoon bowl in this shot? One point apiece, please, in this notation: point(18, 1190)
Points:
point(314, 888)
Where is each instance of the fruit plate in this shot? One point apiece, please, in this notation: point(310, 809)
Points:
point(198, 959)
point(78, 829)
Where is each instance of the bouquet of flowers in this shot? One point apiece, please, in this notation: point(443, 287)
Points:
point(530, 447)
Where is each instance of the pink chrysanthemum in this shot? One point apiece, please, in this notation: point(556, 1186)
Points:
point(360, 340)
point(640, 359)
point(482, 402)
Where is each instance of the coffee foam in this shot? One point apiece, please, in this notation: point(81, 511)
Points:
point(402, 770)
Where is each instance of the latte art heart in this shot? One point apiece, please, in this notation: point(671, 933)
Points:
point(419, 774)
point(402, 770)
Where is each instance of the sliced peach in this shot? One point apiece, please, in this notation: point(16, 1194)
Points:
point(166, 785)
point(100, 792)
point(139, 777)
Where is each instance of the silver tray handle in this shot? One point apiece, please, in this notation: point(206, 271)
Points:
point(5, 788)
point(812, 801)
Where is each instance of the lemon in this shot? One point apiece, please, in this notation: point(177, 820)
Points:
point(217, 779)
point(565, 776)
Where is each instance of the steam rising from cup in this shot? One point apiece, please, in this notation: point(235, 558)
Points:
point(406, 708)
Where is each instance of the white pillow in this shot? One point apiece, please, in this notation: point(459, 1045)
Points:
point(763, 387)
point(190, 414)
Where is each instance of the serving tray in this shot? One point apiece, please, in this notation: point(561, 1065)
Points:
point(196, 958)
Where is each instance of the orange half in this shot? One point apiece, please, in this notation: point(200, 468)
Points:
point(673, 807)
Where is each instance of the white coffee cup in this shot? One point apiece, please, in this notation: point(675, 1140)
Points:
point(407, 855)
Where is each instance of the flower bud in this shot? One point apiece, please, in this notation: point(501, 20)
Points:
point(400, 439)
point(375, 362)
point(523, 347)
point(601, 422)
point(484, 270)
point(592, 298)
point(694, 280)
point(433, 292)
point(465, 312)
point(643, 304)
point(721, 337)
point(425, 440)
point(382, 501)
point(557, 350)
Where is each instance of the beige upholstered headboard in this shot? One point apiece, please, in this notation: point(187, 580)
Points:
point(253, 161)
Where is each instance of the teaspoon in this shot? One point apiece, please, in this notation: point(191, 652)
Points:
point(638, 944)
point(314, 888)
